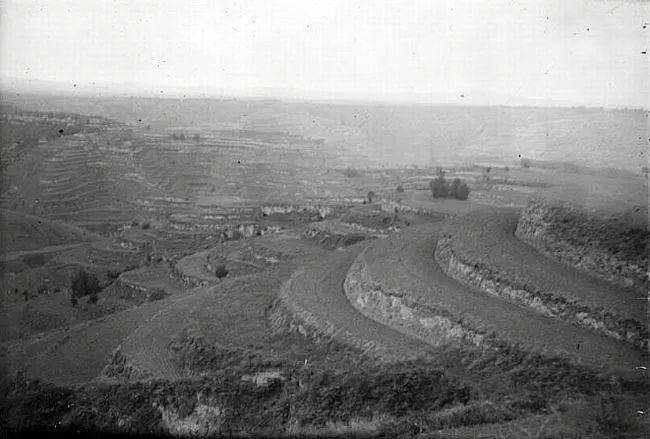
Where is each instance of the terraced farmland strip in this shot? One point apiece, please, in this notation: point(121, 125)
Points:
point(315, 293)
point(507, 267)
point(404, 263)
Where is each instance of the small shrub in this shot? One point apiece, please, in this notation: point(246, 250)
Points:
point(93, 298)
point(146, 226)
point(221, 271)
point(525, 163)
point(73, 301)
point(400, 189)
point(85, 284)
point(371, 195)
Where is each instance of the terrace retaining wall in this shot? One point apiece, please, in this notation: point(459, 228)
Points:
point(553, 230)
point(396, 310)
point(482, 277)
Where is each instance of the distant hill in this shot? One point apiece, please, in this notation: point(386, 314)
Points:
point(395, 134)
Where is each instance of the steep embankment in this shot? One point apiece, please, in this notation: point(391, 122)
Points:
point(314, 296)
point(615, 248)
point(397, 282)
point(481, 250)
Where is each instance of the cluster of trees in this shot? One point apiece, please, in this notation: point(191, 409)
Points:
point(441, 188)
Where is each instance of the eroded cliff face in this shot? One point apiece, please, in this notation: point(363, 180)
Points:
point(614, 251)
point(394, 309)
point(488, 280)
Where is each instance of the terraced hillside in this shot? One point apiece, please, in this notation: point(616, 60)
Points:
point(251, 282)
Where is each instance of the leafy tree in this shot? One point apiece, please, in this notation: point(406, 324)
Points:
point(85, 284)
point(371, 195)
point(459, 189)
point(439, 187)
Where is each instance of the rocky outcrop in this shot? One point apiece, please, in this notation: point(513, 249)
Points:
point(481, 276)
point(436, 327)
point(611, 249)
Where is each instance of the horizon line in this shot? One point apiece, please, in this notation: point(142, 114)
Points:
point(130, 90)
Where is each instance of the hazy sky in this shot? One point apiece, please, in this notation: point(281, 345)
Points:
point(585, 52)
